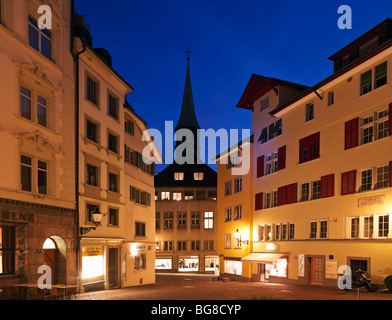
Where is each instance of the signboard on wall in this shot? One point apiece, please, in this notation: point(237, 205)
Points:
point(301, 265)
point(331, 269)
point(92, 251)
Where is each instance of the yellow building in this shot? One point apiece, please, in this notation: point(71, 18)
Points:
point(37, 184)
point(234, 212)
point(116, 187)
point(322, 169)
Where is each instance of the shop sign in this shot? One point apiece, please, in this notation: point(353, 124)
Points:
point(92, 251)
point(16, 216)
point(331, 269)
point(368, 201)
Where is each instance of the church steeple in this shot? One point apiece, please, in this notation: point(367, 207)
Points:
point(188, 118)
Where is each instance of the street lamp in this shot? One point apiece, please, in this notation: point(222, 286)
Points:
point(97, 217)
point(237, 236)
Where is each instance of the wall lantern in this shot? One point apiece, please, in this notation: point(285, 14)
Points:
point(97, 217)
point(241, 238)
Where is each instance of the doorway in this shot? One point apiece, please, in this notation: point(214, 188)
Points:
point(50, 253)
point(316, 270)
point(113, 267)
point(264, 270)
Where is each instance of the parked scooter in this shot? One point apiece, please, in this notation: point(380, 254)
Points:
point(363, 281)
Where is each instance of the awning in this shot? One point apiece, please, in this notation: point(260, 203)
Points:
point(262, 257)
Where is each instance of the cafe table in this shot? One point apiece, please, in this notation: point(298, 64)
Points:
point(29, 290)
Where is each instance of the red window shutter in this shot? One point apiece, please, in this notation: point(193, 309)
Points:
point(260, 166)
point(292, 190)
point(304, 144)
point(327, 186)
point(259, 201)
point(310, 143)
point(390, 121)
point(280, 196)
point(348, 182)
point(281, 158)
point(351, 134)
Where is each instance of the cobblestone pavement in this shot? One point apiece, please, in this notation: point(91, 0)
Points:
point(197, 287)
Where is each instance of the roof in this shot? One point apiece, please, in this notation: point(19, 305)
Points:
point(234, 147)
point(258, 86)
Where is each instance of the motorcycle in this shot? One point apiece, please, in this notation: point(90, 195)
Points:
point(363, 281)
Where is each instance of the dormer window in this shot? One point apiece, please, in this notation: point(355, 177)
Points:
point(370, 45)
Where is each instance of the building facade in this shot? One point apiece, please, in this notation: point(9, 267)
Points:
point(115, 183)
point(235, 211)
point(186, 222)
point(322, 170)
point(37, 185)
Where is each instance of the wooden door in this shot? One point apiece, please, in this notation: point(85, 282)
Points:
point(50, 259)
point(316, 270)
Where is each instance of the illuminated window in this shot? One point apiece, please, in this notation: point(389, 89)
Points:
point(208, 220)
point(92, 262)
point(7, 250)
point(178, 175)
point(198, 176)
point(177, 196)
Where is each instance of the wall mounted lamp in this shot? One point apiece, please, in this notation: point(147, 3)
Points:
point(237, 236)
point(97, 217)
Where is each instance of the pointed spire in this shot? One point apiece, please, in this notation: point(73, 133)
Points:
point(188, 116)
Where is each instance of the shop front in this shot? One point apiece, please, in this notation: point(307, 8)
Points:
point(266, 265)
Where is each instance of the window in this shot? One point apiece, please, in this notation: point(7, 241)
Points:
point(238, 184)
point(354, 228)
point(260, 166)
point(309, 112)
point(261, 233)
point(92, 90)
point(188, 195)
point(331, 98)
point(181, 245)
point(42, 177)
point(7, 250)
point(168, 246)
point(198, 175)
point(168, 220)
point(380, 78)
point(35, 110)
point(92, 175)
point(208, 220)
point(382, 177)
point(195, 220)
point(313, 229)
point(259, 201)
point(309, 148)
point(177, 196)
point(351, 134)
point(277, 232)
point(178, 175)
point(113, 182)
point(200, 195)
point(366, 82)
point(348, 182)
point(305, 191)
point(271, 163)
point(287, 194)
point(366, 180)
point(284, 231)
point(368, 227)
point(211, 195)
point(195, 245)
point(237, 212)
point(112, 106)
point(129, 127)
point(113, 217)
point(112, 143)
point(227, 214)
point(227, 241)
point(383, 226)
point(374, 126)
point(233, 160)
point(90, 209)
point(139, 196)
point(264, 104)
point(316, 189)
point(140, 261)
point(157, 220)
point(291, 231)
point(208, 245)
point(181, 220)
point(140, 229)
point(228, 188)
point(26, 173)
point(40, 40)
point(323, 229)
point(28, 168)
point(380, 75)
point(165, 195)
point(92, 131)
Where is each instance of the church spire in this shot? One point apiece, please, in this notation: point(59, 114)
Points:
point(188, 116)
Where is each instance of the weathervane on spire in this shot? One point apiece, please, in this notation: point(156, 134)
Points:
point(188, 58)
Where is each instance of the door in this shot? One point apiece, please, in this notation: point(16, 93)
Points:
point(50, 259)
point(316, 270)
point(113, 267)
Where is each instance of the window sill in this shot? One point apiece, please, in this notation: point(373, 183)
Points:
point(41, 127)
point(115, 154)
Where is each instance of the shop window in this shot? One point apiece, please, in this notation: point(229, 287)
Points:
point(92, 262)
point(163, 264)
point(188, 264)
point(7, 250)
point(233, 267)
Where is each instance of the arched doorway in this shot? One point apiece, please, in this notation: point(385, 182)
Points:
point(54, 255)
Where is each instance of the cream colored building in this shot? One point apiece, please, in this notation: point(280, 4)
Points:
point(37, 184)
point(113, 179)
point(322, 169)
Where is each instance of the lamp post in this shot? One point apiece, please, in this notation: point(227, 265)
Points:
point(97, 217)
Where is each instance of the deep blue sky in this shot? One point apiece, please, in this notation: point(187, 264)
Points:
point(229, 40)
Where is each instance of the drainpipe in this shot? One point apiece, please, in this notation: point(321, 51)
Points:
point(76, 58)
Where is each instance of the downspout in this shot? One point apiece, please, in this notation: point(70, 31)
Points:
point(76, 59)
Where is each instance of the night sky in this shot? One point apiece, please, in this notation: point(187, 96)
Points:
point(229, 40)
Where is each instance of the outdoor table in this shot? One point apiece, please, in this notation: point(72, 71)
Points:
point(28, 290)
